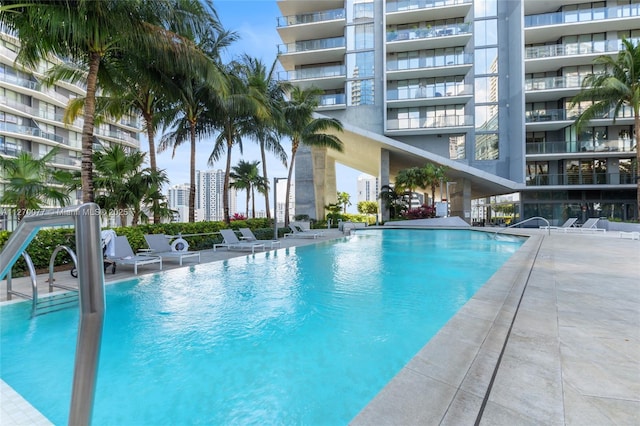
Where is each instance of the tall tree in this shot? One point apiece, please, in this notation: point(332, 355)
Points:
point(617, 86)
point(265, 128)
point(408, 180)
point(32, 183)
point(344, 199)
point(433, 176)
point(230, 114)
point(193, 98)
point(304, 129)
point(243, 176)
point(87, 32)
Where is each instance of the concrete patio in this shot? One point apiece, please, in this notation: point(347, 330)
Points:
point(552, 338)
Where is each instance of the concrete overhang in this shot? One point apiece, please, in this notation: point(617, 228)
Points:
point(362, 150)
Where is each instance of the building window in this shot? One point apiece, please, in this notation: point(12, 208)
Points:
point(363, 9)
point(486, 117)
point(537, 173)
point(487, 146)
point(485, 32)
point(364, 36)
point(360, 64)
point(485, 8)
point(361, 92)
point(457, 148)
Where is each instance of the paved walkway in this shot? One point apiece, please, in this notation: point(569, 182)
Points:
point(553, 338)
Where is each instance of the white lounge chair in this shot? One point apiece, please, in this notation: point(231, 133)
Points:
point(568, 224)
point(297, 232)
point(248, 235)
point(123, 255)
point(589, 225)
point(231, 242)
point(159, 246)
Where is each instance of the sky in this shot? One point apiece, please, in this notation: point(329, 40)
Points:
point(255, 22)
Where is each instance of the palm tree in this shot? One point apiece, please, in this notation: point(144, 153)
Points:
point(344, 199)
point(265, 131)
point(433, 176)
point(243, 176)
point(408, 180)
point(231, 115)
point(125, 186)
point(618, 85)
point(301, 126)
point(193, 103)
point(33, 183)
point(88, 33)
point(391, 196)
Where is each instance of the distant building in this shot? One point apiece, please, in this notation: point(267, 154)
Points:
point(209, 191)
point(367, 188)
point(178, 200)
point(280, 200)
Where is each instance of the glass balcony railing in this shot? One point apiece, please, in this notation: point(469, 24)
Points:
point(308, 45)
point(549, 83)
point(429, 62)
point(430, 122)
point(23, 82)
point(574, 147)
point(595, 178)
point(582, 15)
point(429, 91)
point(404, 5)
point(315, 72)
point(331, 99)
point(115, 134)
point(562, 114)
point(422, 33)
point(310, 18)
point(572, 49)
point(33, 131)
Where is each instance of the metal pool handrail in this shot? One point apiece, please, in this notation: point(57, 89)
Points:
point(525, 221)
point(86, 219)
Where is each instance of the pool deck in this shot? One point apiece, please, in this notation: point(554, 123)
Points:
point(552, 338)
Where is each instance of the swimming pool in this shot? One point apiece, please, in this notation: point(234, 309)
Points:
point(305, 335)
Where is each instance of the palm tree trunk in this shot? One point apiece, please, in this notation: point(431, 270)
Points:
point(227, 173)
point(246, 206)
point(264, 174)
point(253, 203)
point(151, 134)
point(192, 174)
point(294, 148)
point(637, 129)
point(87, 129)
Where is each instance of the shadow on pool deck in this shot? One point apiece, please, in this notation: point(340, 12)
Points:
point(552, 338)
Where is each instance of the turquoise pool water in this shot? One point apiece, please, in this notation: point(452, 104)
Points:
point(305, 335)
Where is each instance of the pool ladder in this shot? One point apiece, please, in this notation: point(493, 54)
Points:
point(50, 304)
point(524, 221)
point(86, 219)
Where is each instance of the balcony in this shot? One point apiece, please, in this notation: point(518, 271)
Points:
point(441, 36)
point(555, 119)
point(311, 52)
point(540, 27)
point(332, 101)
point(569, 179)
point(400, 11)
point(18, 81)
point(118, 135)
point(543, 58)
point(454, 93)
point(552, 88)
point(321, 24)
point(437, 124)
point(31, 131)
point(432, 66)
point(578, 147)
point(325, 77)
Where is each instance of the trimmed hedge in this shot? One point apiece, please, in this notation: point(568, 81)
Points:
point(46, 240)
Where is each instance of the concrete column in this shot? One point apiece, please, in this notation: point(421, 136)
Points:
point(383, 178)
point(461, 199)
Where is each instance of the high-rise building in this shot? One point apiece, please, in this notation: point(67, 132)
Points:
point(481, 87)
point(31, 115)
point(367, 188)
point(209, 193)
point(178, 200)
